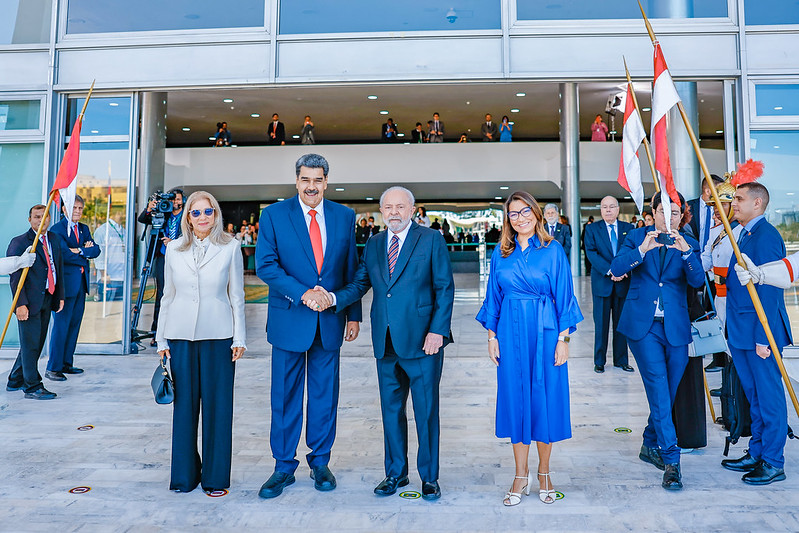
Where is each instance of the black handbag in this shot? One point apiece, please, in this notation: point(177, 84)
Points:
point(163, 387)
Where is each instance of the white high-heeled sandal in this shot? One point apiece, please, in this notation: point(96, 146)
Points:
point(515, 498)
point(546, 495)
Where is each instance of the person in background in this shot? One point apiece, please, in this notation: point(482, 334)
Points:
point(436, 132)
point(492, 236)
point(231, 230)
point(557, 230)
point(223, 136)
point(276, 132)
point(599, 130)
point(110, 264)
point(640, 223)
point(649, 220)
point(464, 138)
point(373, 228)
point(489, 130)
point(201, 331)
point(307, 134)
point(389, 132)
point(421, 217)
point(418, 135)
point(529, 311)
point(505, 130)
point(362, 234)
point(582, 246)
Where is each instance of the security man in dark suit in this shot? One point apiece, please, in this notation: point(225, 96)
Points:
point(77, 247)
point(409, 271)
point(42, 293)
point(559, 232)
point(602, 241)
point(276, 132)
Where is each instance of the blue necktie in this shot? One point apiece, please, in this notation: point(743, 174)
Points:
point(706, 233)
point(614, 239)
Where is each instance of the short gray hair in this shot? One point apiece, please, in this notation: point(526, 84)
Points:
point(312, 161)
point(552, 206)
point(397, 188)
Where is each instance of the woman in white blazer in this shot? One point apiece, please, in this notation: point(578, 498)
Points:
point(201, 330)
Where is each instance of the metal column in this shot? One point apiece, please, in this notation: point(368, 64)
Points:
point(570, 165)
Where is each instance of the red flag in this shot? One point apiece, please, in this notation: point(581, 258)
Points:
point(664, 97)
point(69, 165)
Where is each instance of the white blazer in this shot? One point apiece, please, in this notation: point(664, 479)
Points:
point(205, 302)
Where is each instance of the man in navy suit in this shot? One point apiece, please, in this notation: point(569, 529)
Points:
point(303, 242)
point(656, 304)
point(756, 367)
point(602, 241)
point(42, 293)
point(276, 132)
point(77, 248)
point(559, 232)
point(409, 271)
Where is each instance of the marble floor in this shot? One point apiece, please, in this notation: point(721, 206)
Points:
point(104, 432)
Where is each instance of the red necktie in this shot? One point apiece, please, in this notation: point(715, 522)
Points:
point(316, 241)
point(50, 273)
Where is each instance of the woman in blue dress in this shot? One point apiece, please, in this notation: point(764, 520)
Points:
point(529, 311)
point(505, 130)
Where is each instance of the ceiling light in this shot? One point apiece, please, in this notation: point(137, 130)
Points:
point(628, 197)
point(280, 199)
point(646, 109)
point(339, 189)
point(778, 108)
point(211, 138)
point(790, 193)
point(514, 110)
point(511, 123)
point(504, 188)
point(400, 135)
point(369, 198)
point(497, 198)
point(95, 131)
point(113, 104)
point(777, 146)
point(186, 129)
point(719, 131)
point(521, 94)
point(228, 100)
point(255, 115)
point(468, 103)
point(295, 136)
point(384, 112)
point(372, 97)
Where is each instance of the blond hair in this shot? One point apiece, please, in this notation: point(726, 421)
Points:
point(217, 236)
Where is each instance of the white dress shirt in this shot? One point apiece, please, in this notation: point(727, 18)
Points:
point(402, 235)
point(615, 227)
point(320, 219)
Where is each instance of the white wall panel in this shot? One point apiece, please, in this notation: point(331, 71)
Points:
point(394, 59)
point(25, 70)
point(773, 54)
point(156, 66)
point(596, 56)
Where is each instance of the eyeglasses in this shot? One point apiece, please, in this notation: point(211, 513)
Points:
point(525, 212)
point(208, 211)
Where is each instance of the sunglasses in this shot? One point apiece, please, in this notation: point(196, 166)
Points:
point(526, 212)
point(208, 211)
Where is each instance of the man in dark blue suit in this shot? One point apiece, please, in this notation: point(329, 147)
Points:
point(656, 304)
point(559, 232)
point(303, 242)
point(42, 292)
point(602, 241)
point(77, 248)
point(760, 376)
point(409, 271)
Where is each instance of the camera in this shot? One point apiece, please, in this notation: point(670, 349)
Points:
point(163, 205)
point(665, 239)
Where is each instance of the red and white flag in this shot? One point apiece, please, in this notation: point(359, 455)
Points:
point(664, 97)
point(65, 181)
point(633, 134)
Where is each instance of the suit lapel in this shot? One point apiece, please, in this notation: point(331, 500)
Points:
point(210, 253)
point(331, 231)
point(298, 221)
point(605, 238)
point(382, 253)
point(407, 249)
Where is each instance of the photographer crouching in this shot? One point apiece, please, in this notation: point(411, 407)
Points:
point(163, 213)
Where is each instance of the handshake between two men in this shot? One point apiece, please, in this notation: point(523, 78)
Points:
point(318, 299)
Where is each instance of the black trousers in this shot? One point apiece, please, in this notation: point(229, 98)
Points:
point(203, 373)
point(32, 334)
point(158, 274)
point(604, 307)
point(420, 376)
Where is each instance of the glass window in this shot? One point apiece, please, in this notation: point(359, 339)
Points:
point(775, 100)
point(91, 16)
point(591, 9)
point(25, 21)
point(104, 116)
point(21, 173)
point(19, 114)
point(762, 12)
point(324, 16)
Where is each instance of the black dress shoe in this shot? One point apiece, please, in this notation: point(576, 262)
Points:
point(672, 480)
point(40, 394)
point(747, 463)
point(713, 367)
point(323, 478)
point(275, 484)
point(388, 486)
point(72, 370)
point(431, 490)
point(12, 388)
point(626, 368)
point(651, 456)
point(599, 368)
point(763, 474)
point(55, 376)
point(716, 393)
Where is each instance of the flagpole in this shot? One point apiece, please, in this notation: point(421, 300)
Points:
point(646, 142)
point(24, 275)
point(761, 314)
point(105, 244)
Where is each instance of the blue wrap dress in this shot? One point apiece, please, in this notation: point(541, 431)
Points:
point(529, 301)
